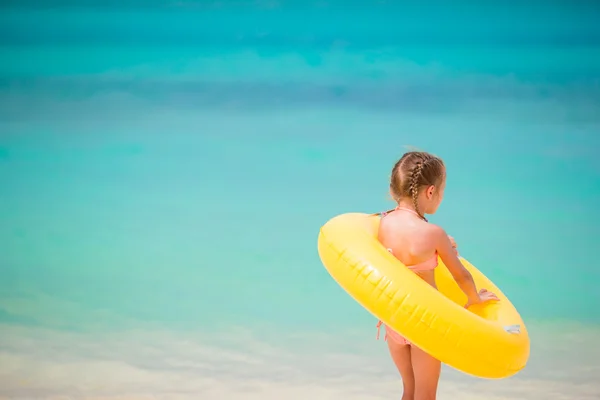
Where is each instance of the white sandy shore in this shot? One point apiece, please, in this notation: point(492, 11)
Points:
point(48, 364)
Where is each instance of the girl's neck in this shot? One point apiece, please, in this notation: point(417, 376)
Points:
point(407, 205)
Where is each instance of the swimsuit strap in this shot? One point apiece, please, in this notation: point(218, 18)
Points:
point(412, 211)
point(408, 209)
point(384, 213)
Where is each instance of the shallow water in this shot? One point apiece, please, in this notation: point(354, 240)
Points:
point(163, 183)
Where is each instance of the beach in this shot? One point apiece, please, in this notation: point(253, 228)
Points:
point(160, 364)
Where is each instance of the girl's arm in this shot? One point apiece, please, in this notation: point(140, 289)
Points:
point(449, 256)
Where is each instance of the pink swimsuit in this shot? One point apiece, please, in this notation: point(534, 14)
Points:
point(427, 265)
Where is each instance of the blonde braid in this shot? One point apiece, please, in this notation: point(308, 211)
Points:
point(415, 176)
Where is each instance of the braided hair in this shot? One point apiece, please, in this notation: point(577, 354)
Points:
point(415, 170)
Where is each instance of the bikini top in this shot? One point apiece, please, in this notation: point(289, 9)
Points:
point(427, 265)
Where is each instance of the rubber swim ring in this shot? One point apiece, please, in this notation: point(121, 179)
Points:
point(488, 340)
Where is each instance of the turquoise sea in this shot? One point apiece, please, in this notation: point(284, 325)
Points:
point(165, 167)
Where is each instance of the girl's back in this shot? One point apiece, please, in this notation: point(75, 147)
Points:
point(408, 237)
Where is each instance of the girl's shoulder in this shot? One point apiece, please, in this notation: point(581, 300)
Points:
point(434, 232)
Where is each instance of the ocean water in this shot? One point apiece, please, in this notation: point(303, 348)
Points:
point(165, 168)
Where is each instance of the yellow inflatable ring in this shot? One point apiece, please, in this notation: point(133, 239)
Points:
point(488, 340)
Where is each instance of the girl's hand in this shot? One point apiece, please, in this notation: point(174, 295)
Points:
point(454, 245)
point(484, 296)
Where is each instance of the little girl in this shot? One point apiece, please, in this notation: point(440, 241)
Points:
point(417, 184)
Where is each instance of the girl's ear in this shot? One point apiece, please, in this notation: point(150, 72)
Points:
point(430, 191)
